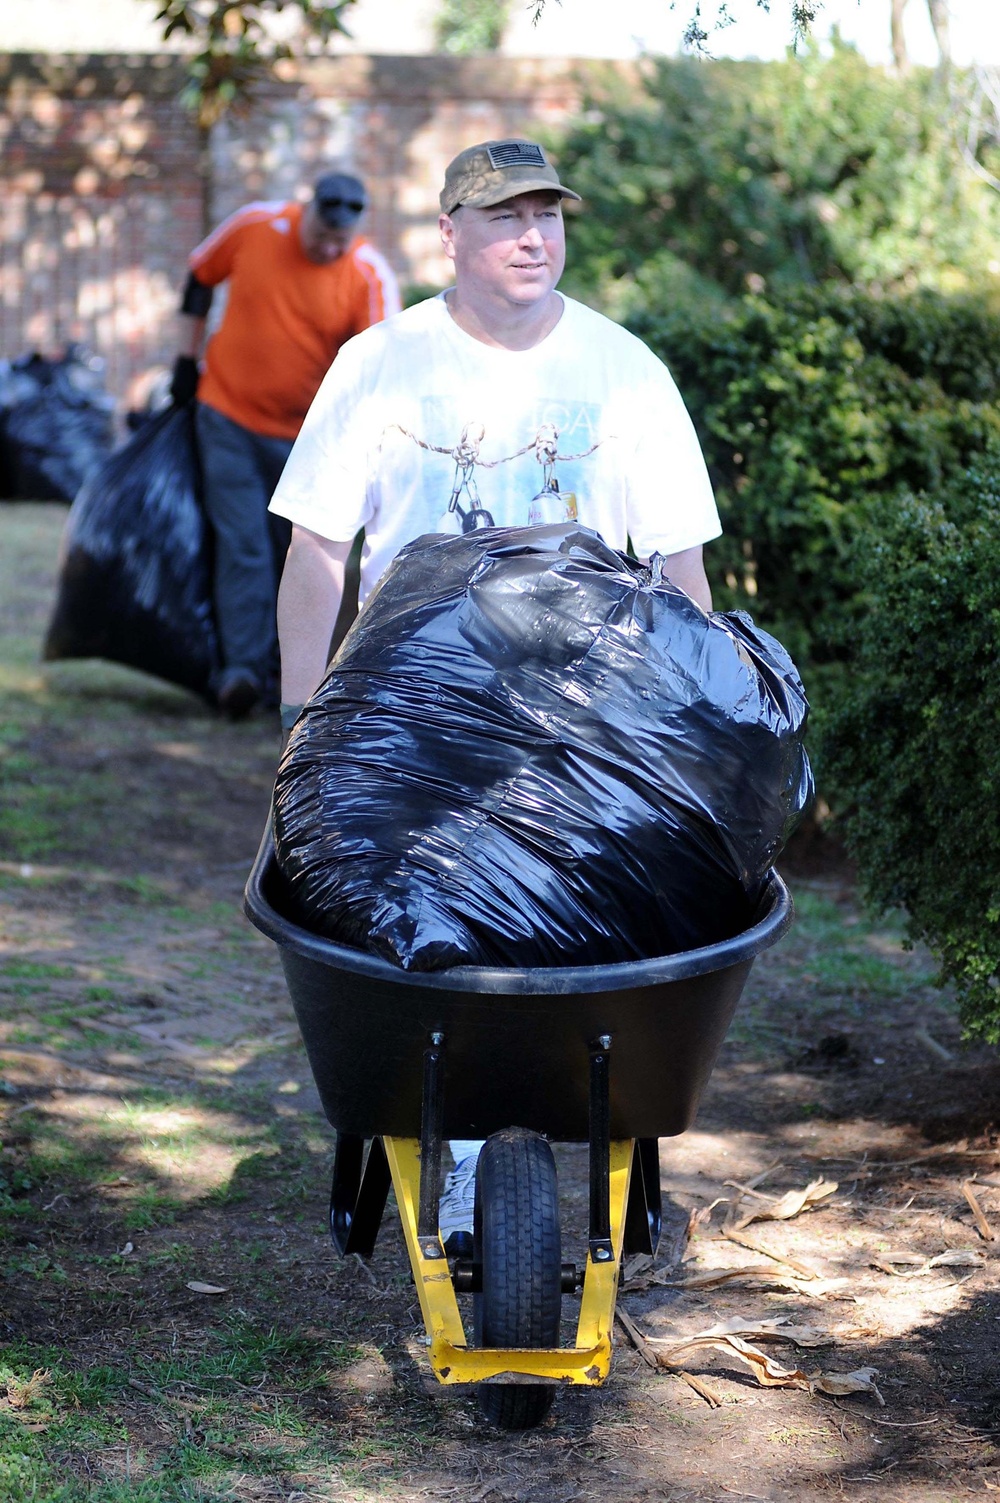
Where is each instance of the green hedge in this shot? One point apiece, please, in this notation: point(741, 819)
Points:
point(854, 443)
point(911, 751)
point(815, 413)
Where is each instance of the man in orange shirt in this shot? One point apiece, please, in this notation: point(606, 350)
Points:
point(301, 282)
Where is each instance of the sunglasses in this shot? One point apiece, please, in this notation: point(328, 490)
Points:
point(355, 205)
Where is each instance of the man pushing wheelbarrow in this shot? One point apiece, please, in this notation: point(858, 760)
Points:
point(497, 407)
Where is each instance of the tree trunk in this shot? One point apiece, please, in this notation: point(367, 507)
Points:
point(900, 56)
point(942, 35)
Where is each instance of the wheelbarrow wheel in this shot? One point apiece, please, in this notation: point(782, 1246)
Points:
point(518, 1245)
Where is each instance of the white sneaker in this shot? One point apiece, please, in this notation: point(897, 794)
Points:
point(455, 1213)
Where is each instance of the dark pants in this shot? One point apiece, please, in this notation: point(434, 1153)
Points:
point(240, 470)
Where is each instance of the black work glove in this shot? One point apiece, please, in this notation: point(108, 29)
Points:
point(184, 381)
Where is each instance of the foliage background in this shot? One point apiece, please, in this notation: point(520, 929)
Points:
point(731, 177)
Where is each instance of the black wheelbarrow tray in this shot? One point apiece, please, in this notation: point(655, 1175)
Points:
point(616, 1056)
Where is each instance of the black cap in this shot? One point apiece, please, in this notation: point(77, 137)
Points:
point(340, 199)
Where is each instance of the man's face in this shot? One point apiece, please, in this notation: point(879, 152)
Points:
point(513, 251)
point(320, 243)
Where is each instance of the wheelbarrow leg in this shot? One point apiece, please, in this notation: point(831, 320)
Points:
point(358, 1194)
point(431, 1129)
point(644, 1212)
point(601, 1246)
point(360, 1187)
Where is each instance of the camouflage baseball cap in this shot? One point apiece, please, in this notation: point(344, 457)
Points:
point(488, 174)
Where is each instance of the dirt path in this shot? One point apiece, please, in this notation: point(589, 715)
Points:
point(162, 1138)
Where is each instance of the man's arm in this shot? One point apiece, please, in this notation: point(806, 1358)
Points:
point(687, 571)
point(312, 585)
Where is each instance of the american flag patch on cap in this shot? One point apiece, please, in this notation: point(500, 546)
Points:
point(516, 154)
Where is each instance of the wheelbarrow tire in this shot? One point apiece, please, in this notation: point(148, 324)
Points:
point(518, 1244)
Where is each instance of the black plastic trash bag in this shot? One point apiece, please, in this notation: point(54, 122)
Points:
point(17, 384)
point(135, 580)
point(533, 751)
point(56, 425)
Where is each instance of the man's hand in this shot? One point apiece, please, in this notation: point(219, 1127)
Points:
point(687, 571)
point(184, 381)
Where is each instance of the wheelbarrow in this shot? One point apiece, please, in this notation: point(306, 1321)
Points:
point(615, 1056)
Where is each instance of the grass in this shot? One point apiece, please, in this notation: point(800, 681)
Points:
point(251, 1397)
point(846, 968)
point(246, 1399)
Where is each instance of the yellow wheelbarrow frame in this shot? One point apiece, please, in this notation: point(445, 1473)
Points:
point(625, 1213)
point(452, 1359)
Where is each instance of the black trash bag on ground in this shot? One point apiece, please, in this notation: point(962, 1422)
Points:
point(56, 425)
point(533, 751)
point(135, 582)
point(17, 384)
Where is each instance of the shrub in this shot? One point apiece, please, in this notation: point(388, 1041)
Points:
point(911, 750)
point(814, 414)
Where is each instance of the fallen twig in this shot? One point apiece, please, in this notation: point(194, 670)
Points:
point(802, 1269)
point(932, 1046)
point(638, 1340)
point(982, 1225)
point(701, 1388)
point(734, 1184)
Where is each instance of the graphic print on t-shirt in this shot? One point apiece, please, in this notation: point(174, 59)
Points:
point(523, 471)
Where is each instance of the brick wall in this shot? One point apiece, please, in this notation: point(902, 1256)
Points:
point(106, 183)
point(100, 199)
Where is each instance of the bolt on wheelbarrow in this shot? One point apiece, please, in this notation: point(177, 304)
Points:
point(614, 1056)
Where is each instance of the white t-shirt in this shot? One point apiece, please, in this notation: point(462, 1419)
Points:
point(420, 428)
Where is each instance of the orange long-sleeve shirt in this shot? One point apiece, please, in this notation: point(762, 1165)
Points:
point(286, 317)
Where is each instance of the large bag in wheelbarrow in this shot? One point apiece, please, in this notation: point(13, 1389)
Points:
point(135, 581)
point(533, 751)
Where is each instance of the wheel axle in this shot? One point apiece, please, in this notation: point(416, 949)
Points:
point(467, 1277)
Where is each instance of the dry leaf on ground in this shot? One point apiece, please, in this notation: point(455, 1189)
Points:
point(769, 1374)
point(637, 1271)
point(952, 1257)
point(757, 1273)
point(779, 1329)
point(792, 1204)
point(764, 1368)
point(838, 1384)
point(199, 1288)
